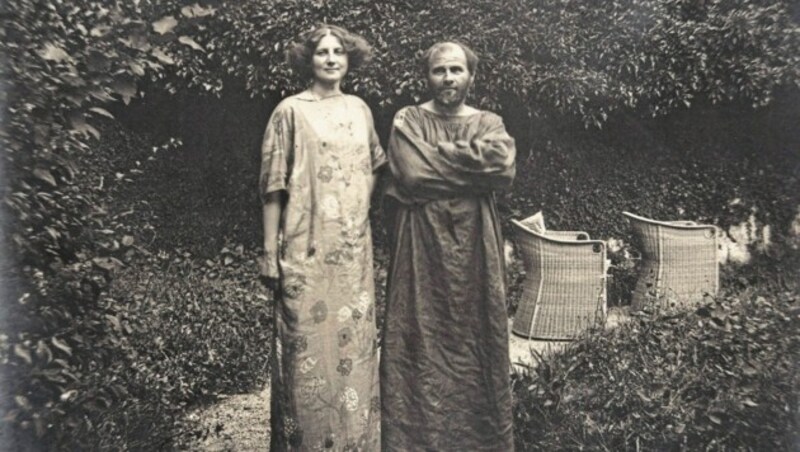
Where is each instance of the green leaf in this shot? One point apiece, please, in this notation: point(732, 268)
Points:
point(67, 395)
point(136, 68)
point(164, 25)
point(749, 402)
point(162, 56)
point(108, 263)
point(79, 125)
point(23, 353)
point(23, 402)
point(102, 111)
point(196, 10)
point(125, 88)
point(190, 42)
point(45, 175)
point(61, 345)
point(52, 52)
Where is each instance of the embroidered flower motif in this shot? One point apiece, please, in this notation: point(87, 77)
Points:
point(325, 174)
point(338, 257)
point(350, 399)
point(319, 311)
point(345, 336)
point(294, 284)
point(300, 344)
point(357, 314)
point(345, 366)
point(364, 301)
point(292, 432)
point(345, 314)
point(307, 365)
point(330, 207)
point(352, 231)
point(312, 387)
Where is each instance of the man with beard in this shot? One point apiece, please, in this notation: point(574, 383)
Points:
point(444, 364)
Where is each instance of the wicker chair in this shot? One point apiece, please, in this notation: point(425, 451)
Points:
point(565, 283)
point(679, 261)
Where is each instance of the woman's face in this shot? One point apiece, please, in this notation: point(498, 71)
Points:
point(329, 62)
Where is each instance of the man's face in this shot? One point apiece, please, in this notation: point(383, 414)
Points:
point(448, 76)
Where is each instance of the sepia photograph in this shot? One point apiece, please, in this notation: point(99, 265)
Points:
point(400, 226)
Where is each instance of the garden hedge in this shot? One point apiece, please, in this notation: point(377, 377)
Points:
point(68, 66)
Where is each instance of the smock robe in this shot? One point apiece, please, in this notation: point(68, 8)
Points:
point(444, 369)
point(325, 394)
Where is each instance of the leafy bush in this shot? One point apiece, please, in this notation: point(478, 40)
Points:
point(722, 377)
point(200, 327)
point(68, 65)
point(715, 164)
point(544, 57)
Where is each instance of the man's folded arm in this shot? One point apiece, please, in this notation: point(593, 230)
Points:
point(486, 163)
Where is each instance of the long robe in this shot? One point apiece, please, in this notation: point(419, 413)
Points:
point(444, 368)
point(324, 369)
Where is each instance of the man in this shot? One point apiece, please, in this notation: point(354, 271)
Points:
point(444, 364)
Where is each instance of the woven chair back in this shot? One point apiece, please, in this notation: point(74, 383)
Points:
point(679, 261)
point(564, 290)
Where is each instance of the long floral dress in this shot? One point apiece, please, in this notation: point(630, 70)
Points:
point(325, 393)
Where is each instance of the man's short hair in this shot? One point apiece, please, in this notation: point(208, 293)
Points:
point(472, 58)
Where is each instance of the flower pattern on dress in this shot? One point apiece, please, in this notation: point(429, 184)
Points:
point(293, 285)
point(325, 174)
point(319, 312)
point(327, 274)
point(345, 335)
point(312, 387)
point(339, 257)
point(300, 344)
point(307, 365)
point(345, 366)
point(330, 207)
point(344, 314)
point(350, 399)
point(364, 301)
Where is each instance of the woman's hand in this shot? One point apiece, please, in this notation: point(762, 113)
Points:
point(268, 269)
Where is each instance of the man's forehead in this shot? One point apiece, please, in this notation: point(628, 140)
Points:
point(448, 54)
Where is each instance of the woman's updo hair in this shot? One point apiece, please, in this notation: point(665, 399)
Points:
point(300, 53)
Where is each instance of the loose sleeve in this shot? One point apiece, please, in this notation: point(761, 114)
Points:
point(489, 156)
point(485, 163)
point(276, 153)
point(376, 150)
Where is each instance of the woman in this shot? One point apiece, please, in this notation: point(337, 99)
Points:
point(319, 156)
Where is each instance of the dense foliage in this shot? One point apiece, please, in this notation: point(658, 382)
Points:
point(720, 378)
point(81, 326)
point(578, 57)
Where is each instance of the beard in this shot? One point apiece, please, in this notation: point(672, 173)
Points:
point(450, 97)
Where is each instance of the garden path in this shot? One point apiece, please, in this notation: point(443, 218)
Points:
point(241, 422)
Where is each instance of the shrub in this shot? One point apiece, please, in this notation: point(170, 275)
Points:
point(721, 377)
point(540, 57)
point(65, 62)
